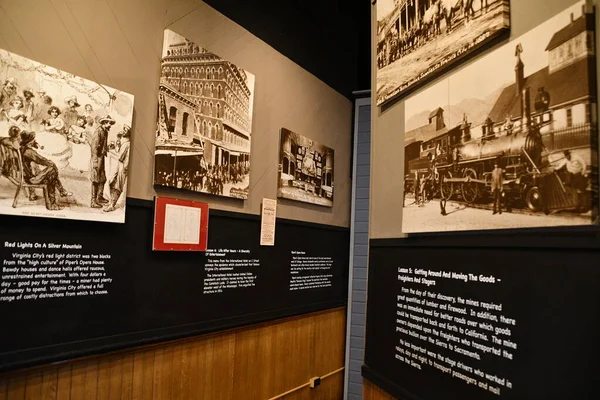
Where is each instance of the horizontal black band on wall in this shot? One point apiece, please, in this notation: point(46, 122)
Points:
point(584, 238)
point(154, 296)
point(86, 348)
point(387, 385)
point(231, 214)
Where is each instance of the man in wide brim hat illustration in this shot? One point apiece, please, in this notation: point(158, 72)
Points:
point(47, 176)
point(70, 113)
point(72, 101)
point(99, 150)
point(118, 182)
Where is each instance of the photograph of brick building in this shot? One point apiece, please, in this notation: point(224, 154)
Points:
point(204, 121)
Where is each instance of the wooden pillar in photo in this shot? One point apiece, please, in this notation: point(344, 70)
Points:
point(175, 169)
point(407, 19)
point(399, 25)
point(416, 11)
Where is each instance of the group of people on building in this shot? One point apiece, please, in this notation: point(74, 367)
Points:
point(86, 138)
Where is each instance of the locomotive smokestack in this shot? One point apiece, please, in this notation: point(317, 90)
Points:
point(519, 70)
point(525, 109)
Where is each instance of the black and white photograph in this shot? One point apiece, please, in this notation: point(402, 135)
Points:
point(509, 141)
point(417, 39)
point(204, 125)
point(64, 143)
point(305, 170)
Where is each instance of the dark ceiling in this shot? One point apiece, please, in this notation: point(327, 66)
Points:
point(328, 38)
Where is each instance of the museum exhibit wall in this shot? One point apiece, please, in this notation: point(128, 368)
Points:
point(120, 44)
point(257, 363)
point(541, 276)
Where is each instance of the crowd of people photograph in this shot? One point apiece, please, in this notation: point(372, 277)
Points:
point(207, 178)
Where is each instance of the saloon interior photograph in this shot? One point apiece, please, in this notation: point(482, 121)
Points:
point(266, 199)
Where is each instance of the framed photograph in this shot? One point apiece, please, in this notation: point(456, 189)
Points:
point(305, 170)
point(418, 39)
point(204, 125)
point(64, 143)
point(511, 140)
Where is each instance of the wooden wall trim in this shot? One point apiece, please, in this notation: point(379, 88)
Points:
point(256, 362)
point(175, 342)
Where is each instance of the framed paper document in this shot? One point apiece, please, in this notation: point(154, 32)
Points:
point(180, 225)
point(268, 219)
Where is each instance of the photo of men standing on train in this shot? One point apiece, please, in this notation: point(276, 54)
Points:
point(509, 141)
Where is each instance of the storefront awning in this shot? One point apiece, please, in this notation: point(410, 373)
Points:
point(188, 153)
point(179, 150)
point(231, 148)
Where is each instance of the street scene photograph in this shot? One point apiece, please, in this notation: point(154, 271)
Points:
point(509, 141)
point(305, 170)
point(204, 125)
point(417, 38)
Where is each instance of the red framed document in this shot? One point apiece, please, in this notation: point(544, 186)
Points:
point(180, 225)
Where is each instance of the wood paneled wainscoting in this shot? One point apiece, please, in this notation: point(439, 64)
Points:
point(373, 392)
point(257, 362)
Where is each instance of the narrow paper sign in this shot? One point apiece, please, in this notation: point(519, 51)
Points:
point(267, 229)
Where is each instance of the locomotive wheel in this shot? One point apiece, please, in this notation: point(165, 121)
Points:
point(446, 188)
point(470, 190)
point(533, 199)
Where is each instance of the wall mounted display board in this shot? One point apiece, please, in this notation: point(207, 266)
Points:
point(180, 225)
point(64, 143)
point(514, 131)
point(204, 126)
point(483, 323)
point(418, 39)
point(68, 288)
point(306, 169)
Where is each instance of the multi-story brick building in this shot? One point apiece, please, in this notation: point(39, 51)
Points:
point(221, 93)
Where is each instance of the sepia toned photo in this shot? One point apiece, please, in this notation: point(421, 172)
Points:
point(64, 143)
point(204, 121)
point(305, 170)
point(510, 141)
point(417, 39)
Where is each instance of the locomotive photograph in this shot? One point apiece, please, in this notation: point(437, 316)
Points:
point(418, 38)
point(204, 125)
point(64, 143)
point(510, 141)
point(305, 170)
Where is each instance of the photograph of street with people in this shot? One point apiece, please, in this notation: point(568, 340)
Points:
point(204, 125)
point(417, 38)
point(64, 143)
point(510, 140)
point(305, 170)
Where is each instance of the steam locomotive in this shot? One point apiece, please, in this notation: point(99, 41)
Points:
point(456, 166)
